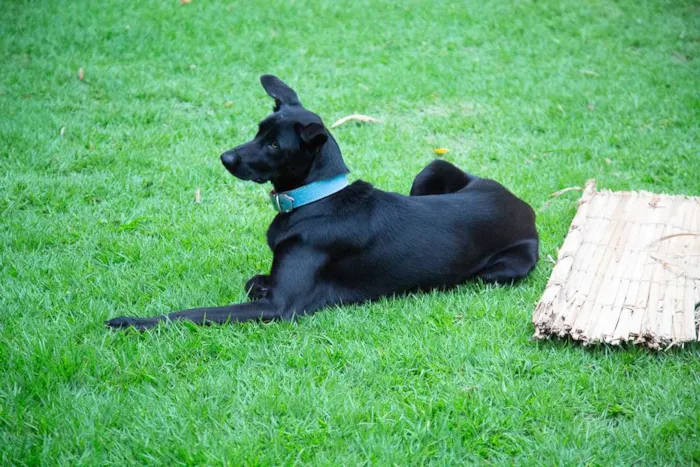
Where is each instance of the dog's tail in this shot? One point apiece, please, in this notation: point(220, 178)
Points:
point(439, 178)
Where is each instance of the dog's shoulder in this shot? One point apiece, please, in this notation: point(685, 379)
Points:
point(338, 216)
point(353, 197)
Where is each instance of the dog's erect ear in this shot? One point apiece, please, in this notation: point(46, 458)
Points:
point(283, 94)
point(313, 134)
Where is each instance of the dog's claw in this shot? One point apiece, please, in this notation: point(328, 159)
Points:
point(257, 292)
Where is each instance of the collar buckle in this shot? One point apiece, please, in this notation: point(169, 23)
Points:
point(282, 202)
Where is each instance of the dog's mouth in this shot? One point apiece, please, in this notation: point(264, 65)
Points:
point(247, 177)
point(242, 171)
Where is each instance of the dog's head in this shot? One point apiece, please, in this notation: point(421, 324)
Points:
point(287, 141)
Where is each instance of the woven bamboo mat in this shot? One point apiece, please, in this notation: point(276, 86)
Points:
point(629, 271)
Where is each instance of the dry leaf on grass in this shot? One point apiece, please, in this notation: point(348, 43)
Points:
point(356, 117)
point(565, 190)
point(228, 103)
point(81, 74)
point(680, 58)
point(589, 72)
point(441, 151)
point(557, 194)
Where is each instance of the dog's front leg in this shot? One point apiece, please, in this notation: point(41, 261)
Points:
point(264, 310)
point(296, 292)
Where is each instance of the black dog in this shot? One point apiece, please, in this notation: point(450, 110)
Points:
point(356, 243)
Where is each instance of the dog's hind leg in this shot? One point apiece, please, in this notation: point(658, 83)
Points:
point(511, 264)
point(438, 178)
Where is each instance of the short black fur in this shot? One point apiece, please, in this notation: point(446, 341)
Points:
point(362, 243)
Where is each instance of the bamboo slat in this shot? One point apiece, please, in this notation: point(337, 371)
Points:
point(627, 272)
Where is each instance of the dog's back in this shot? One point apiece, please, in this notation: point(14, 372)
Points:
point(379, 243)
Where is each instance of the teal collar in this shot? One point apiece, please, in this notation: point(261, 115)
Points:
point(287, 201)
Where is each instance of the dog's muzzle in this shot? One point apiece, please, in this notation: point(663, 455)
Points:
point(230, 160)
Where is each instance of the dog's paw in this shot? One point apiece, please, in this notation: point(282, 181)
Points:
point(125, 322)
point(257, 287)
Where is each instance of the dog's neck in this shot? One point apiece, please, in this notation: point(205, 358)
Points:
point(327, 164)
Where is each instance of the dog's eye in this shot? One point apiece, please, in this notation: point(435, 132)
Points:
point(273, 145)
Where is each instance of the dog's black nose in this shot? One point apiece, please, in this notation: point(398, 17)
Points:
point(229, 159)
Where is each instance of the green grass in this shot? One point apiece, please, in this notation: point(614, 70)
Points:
point(100, 222)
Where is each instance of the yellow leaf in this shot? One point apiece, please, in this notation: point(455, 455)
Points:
point(441, 151)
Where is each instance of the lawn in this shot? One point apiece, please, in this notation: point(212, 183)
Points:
point(98, 178)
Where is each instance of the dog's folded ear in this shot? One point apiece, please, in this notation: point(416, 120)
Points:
point(313, 134)
point(278, 90)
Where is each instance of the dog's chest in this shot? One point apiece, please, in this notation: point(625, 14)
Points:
point(278, 230)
